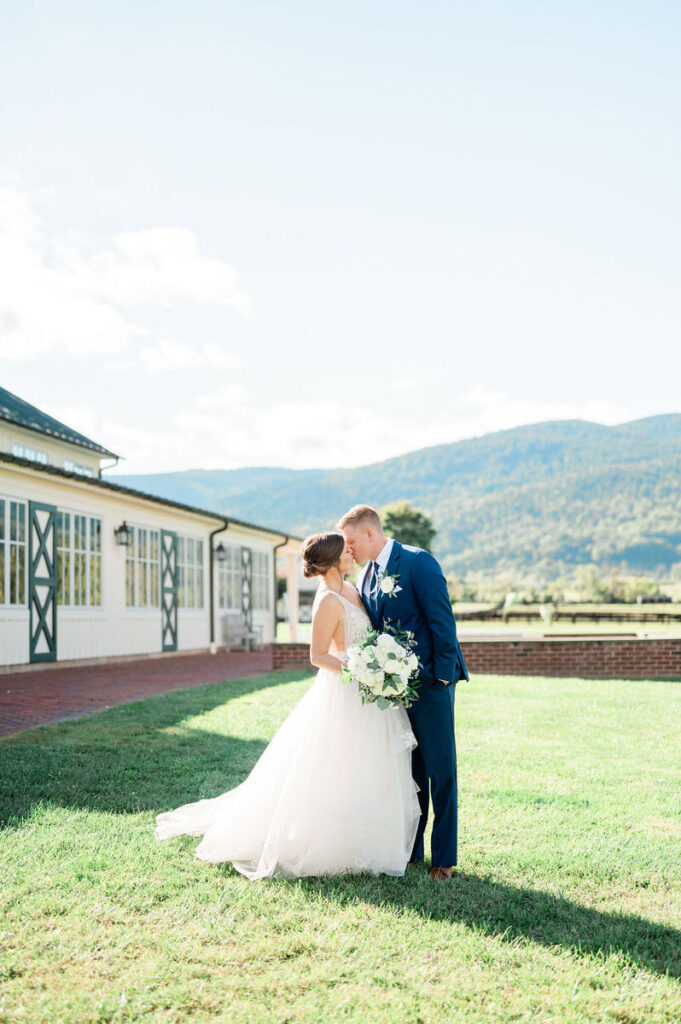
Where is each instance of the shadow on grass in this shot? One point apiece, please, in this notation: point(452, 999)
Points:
point(139, 757)
point(511, 913)
point(132, 757)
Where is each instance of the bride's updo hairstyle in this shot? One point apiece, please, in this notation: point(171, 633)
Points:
point(320, 552)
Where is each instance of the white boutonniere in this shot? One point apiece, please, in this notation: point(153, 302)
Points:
point(389, 587)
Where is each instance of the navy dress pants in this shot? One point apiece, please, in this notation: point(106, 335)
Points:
point(434, 769)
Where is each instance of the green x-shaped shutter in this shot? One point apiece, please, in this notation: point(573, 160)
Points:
point(168, 590)
point(247, 585)
point(42, 582)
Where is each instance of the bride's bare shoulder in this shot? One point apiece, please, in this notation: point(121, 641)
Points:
point(351, 594)
point(329, 602)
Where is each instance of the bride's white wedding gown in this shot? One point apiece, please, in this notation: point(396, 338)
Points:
point(332, 792)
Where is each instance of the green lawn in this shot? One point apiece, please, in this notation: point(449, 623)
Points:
point(284, 632)
point(567, 907)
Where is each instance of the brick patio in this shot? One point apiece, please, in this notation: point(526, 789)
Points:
point(40, 695)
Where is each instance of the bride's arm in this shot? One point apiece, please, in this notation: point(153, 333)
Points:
point(324, 625)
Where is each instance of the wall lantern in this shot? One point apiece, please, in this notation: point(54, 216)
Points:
point(220, 552)
point(123, 535)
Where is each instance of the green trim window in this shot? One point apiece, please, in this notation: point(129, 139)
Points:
point(79, 560)
point(189, 572)
point(229, 579)
point(261, 581)
point(142, 569)
point(32, 454)
point(12, 553)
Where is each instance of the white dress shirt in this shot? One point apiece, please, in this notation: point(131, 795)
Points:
point(381, 561)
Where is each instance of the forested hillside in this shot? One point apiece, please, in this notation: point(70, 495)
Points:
point(542, 498)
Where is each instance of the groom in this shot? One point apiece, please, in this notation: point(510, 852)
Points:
point(406, 585)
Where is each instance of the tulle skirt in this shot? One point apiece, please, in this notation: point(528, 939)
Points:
point(331, 793)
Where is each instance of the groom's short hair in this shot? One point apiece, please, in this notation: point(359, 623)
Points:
point(361, 515)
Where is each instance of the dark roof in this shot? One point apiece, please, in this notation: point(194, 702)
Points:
point(15, 410)
point(106, 485)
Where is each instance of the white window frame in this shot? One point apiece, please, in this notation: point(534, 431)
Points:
point(261, 579)
point(22, 451)
point(73, 467)
point(229, 580)
point(89, 555)
point(190, 571)
point(145, 568)
point(7, 546)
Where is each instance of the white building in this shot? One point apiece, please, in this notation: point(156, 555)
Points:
point(90, 569)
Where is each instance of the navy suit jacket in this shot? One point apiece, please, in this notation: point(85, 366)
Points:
point(422, 606)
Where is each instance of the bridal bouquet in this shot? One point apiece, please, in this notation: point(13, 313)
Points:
point(382, 665)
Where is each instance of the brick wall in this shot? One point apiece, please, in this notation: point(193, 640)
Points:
point(285, 656)
point(610, 658)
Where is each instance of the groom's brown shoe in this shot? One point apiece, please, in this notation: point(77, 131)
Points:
point(442, 874)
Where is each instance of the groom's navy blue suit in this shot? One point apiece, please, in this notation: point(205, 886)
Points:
point(423, 606)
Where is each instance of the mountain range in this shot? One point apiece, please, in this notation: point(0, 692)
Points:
point(534, 500)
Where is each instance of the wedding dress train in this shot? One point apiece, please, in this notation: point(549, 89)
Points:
point(331, 793)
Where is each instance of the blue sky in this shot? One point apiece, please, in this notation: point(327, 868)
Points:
point(309, 234)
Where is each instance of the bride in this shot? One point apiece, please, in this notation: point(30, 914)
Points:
point(333, 791)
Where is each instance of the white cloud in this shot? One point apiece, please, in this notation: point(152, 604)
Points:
point(166, 355)
point(297, 433)
point(158, 266)
point(406, 383)
point(227, 397)
point(229, 428)
point(481, 412)
point(215, 358)
point(18, 220)
point(61, 297)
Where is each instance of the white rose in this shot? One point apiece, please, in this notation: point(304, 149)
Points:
point(354, 659)
point(364, 675)
point(412, 662)
point(394, 648)
point(376, 680)
point(387, 585)
point(383, 657)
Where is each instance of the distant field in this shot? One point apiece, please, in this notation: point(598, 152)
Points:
point(617, 609)
point(631, 621)
point(534, 627)
point(538, 628)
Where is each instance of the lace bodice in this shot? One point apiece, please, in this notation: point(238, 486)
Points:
point(356, 621)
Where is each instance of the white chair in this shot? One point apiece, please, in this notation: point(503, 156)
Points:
point(236, 632)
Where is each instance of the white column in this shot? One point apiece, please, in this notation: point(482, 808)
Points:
point(292, 592)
